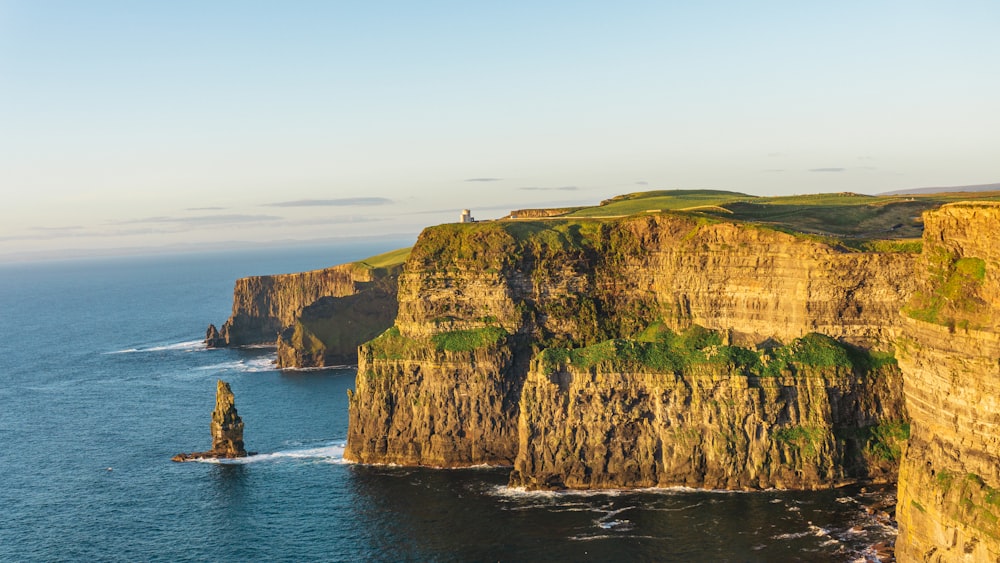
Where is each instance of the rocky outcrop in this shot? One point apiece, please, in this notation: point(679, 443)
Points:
point(329, 331)
point(949, 484)
point(226, 427)
point(574, 284)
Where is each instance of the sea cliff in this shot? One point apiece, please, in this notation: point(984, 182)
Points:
point(667, 348)
point(316, 318)
point(535, 300)
point(949, 485)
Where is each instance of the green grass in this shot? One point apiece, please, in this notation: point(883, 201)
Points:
point(885, 441)
point(807, 439)
point(664, 200)
point(886, 246)
point(853, 219)
point(468, 340)
point(660, 350)
point(393, 345)
point(386, 259)
point(953, 296)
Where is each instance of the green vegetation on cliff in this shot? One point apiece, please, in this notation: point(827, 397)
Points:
point(951, 297)
point(393, 345)
point(660, 350)
point(854, 219)
point(386, 260)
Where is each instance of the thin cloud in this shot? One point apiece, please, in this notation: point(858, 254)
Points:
point(642, 183)
point(230, 219)
point(205, 209)
point(828, 170)
point(74, 228)
point(340, 202)
point(561, 188)
point(483, 179)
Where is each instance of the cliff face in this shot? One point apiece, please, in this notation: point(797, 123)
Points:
point(949, 485)
point(416, 403)
point(329, 331)
point(316, 318)
point(709, 425)
point(572, 284)
point(264, 305)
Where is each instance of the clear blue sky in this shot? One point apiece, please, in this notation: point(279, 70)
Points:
point(129, 124)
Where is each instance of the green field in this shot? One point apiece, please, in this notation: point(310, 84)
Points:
point(863, 222)
point(386, 260)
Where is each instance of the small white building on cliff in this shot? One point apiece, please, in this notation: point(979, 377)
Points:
point(467, 217)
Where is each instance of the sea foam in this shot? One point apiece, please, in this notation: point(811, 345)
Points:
point(329, 453)
point(187, 346)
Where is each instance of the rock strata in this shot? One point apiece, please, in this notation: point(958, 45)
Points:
point(949, 483)
point(264, 305)
point(226, 427)
point(451, 383)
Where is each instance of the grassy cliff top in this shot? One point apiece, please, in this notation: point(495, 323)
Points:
point(846, 216)
point(386, 259)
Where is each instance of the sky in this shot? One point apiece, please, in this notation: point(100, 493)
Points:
point(177, 124)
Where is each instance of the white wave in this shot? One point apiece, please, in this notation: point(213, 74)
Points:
point(611, 537)
point(330, 453)
point(187, 346)
point(688, 507)
point(813, 530)
point(255, 365)
point(615, 525)
point(523, 493)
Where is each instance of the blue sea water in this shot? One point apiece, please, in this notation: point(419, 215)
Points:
point(104, 378)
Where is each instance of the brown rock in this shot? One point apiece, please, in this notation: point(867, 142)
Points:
point(227, 429)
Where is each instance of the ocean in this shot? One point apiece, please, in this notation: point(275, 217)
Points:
point(104, 378)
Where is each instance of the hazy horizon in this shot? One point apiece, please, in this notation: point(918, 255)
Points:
point(172, 125)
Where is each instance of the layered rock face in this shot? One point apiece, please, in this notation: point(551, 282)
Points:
point(226, 428)
point(264, 305)
point(315, 319)
point(508, 291)
point(949, 484)
point(329, 331)
point(433, 407)
point(706, 426)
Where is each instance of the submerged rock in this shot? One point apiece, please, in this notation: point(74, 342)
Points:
point(227, 429)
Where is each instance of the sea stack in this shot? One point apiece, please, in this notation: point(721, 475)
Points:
point(227, 429)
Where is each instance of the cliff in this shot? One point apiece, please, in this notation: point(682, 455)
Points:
point(642, 414)
point(264, 305)
point(316, 318)
point(516, 292)
point(226, 428)
point(949, 485)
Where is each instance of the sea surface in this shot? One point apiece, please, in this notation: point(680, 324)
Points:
point(103, 378)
